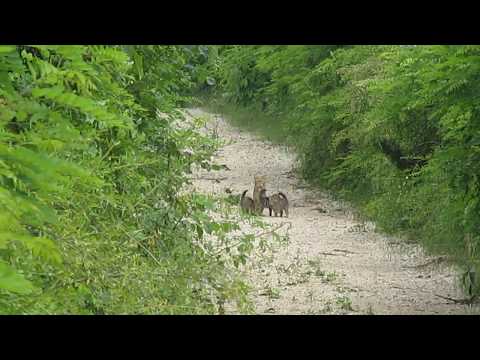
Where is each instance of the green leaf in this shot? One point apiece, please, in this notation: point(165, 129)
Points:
point(139, 65)
point(6, 48)
point(40, 246)
point(12, 281)
point(84, 104)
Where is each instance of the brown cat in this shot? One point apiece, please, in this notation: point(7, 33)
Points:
point(246, 203)
point(278, 203)
point(259, 186)
point(264, 201)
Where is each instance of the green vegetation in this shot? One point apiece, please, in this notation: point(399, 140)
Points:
point(344, 303)
point(393, 129)
point(95, 157)
point(93, 161)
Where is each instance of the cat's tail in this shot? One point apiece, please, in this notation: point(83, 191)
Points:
point(284, 196)
point(243, 194)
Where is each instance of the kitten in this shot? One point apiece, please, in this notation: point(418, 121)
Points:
point(259, 186)
point(278, 203)
point(246, 203)
point(264, 201)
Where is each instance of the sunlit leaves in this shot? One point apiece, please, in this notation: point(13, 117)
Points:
point(11, 280)
point(85, 105)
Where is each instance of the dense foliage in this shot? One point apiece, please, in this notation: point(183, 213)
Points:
point(395, 129)
point(93, 219)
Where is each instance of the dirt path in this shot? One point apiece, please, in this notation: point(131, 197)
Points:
point(333, 263)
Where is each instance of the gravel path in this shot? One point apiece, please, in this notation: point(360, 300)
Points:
point(333, 263)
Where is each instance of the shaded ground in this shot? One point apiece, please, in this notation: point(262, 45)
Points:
point(333, 264)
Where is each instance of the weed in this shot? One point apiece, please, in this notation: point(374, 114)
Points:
point(345, 303)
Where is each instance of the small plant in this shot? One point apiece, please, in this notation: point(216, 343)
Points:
point(345, 303)
point(271, 293)
point(327, 308)
point(314, 263)
point(330, 277)
point(313, 312)
point(327, 277)
point(232, 199)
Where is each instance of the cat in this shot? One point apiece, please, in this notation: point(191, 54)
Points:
point(278, 203)
point(246, 203)
point(259, 186)
point(264, 200)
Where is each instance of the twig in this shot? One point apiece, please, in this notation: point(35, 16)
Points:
point(148, 194)
point(289, 174)
point(411, 289)
point(136, 165)
point(256, 236)
point(434, 261)
point(209, 178)
point(458, 301)
point(149, 253)
point(344, 251)
point(143, 246)
point(109, 151)
point(302, 186)
point(271, 231)
point(332, 254)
